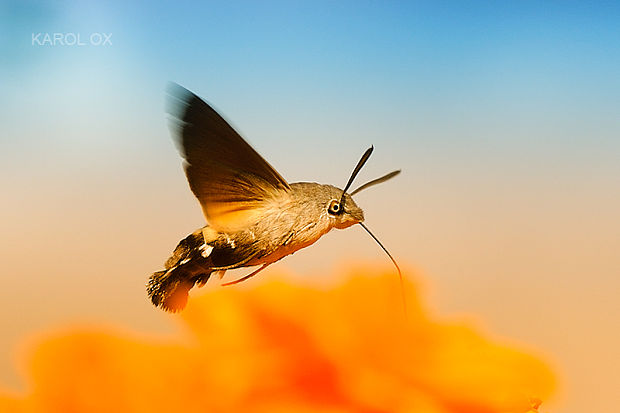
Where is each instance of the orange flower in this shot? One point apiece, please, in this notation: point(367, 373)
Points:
point(283, 348)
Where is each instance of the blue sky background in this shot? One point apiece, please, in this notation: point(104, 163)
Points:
point(505, 85)
point(503, 116)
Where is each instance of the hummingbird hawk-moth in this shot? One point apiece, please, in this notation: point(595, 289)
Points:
point(254, 216)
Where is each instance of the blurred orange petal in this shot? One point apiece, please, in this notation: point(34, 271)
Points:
point(283, 348)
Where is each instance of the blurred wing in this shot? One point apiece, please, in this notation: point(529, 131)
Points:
point(233, 183)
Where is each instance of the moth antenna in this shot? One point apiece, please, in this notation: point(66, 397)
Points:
point(358, 167)
point(400, 274)
point(384, 178)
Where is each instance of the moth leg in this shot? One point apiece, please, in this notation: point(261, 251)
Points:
point(247, 276)
point(220, 273)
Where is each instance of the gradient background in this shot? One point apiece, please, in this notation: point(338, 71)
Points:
point(504, 117)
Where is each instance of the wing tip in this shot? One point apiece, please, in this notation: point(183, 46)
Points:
point(178, 100)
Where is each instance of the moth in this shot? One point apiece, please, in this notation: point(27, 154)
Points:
point(254, 216)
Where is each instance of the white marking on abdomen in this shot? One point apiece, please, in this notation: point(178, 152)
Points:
point(229, 241)
point(205, 250)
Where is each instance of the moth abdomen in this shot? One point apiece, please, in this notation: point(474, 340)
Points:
point(170, 289)
point(196, 256)
point(189, 264)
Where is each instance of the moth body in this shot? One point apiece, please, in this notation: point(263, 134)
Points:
point(304, 218)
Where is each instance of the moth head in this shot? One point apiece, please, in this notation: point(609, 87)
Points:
point(343, 206)
point(343, 214)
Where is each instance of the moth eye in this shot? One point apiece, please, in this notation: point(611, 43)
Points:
point(334, 207)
